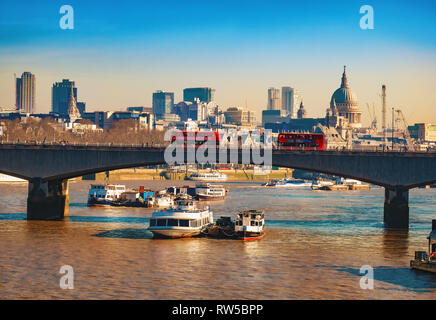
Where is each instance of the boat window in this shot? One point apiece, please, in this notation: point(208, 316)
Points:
point(173, 222)
point(152, 222)
point(184, 223)
point(193, 223)
point(253, 216)
point(161, 222)
point(252, 222)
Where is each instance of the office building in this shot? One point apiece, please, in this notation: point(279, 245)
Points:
point(239, 117)
point(60, 97)
point(203, 94)
point(163, 103)
point(25, 93)
point(273, 99)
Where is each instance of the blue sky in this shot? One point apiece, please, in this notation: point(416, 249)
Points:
point(121, 51)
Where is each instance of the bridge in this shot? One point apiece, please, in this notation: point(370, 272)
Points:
point(48, 168)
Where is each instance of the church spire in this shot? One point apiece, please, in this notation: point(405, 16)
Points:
point(344, 83)
point(73, 112)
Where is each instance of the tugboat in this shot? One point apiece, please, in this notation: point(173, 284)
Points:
point(182, 220)
point(424, 261)
point(249, 225)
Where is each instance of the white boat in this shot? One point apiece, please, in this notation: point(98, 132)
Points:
point(289, 183)
point(8, 178)
point(163, 201)
point(317, 184)
point(208, 176)
point(104, 195)
point(210, 191)
point(182, 220)
point(249, 225)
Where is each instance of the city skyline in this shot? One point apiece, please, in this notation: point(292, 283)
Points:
point(118, 62)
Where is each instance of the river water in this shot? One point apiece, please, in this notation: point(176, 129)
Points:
point(315, 245)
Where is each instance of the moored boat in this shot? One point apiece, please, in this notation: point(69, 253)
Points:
point(208, 176)
point(210, 192)
point(249, 225)
point(105, 195)
point(182, 220)
point(424, 261)
point(288, 183)
point(163, 201)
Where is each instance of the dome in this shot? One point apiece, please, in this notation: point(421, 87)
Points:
point(344, 96)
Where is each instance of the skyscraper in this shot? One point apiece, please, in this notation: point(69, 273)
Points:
point(60, 94)
point(273, 99)
point(291, 100)
point(287, 99)
point(25, 92)
point(203, 94)
point(163, 103)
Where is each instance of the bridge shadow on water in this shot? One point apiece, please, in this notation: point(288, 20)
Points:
point(412, 280)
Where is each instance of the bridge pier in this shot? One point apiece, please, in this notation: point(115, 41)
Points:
point(47, 200)
point(396, 209)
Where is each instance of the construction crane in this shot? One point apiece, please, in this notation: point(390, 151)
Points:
point(373, 117)
point(402, 120)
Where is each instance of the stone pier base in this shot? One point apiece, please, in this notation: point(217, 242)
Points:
point(47, 200)
point(396, 211)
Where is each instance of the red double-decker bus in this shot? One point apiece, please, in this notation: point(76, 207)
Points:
point(197, 138)
point(301, 141)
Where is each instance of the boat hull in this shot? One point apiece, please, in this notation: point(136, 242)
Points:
point(423, 266)
point(246, 235)
point(98, 203)
point(174, 233)
point(209, 198)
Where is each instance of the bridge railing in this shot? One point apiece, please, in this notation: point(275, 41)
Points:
point(355, 148)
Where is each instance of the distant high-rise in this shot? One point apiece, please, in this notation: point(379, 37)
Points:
point(291, 100)
point(25, 92)
point(203, 94)
point(273, 99)
point(163, 103)
point(60, 95)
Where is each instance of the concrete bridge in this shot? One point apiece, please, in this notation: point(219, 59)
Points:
point(48, 168)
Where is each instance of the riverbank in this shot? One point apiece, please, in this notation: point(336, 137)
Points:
point(163, 174)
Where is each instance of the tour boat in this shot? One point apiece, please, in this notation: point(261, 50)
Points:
point(105, 195)
point(182, 220)
point(208, 176)
point(210, 192)
point(249, 225)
